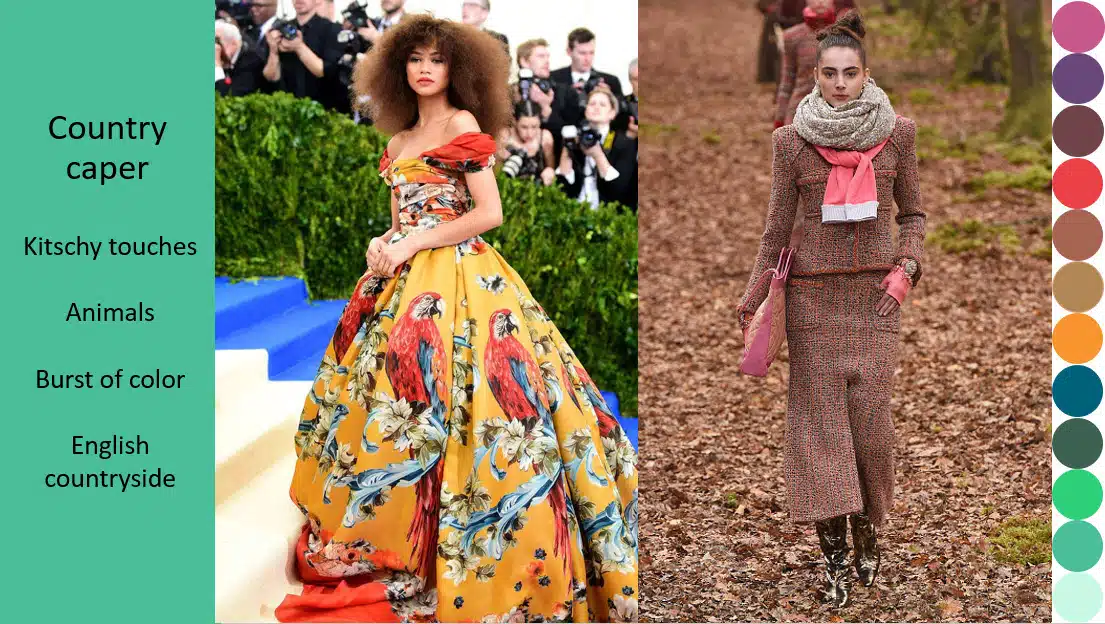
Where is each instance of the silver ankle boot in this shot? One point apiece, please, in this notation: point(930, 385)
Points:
point(832, 534)
point(867, 557)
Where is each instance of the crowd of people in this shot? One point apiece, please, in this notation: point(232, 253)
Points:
point(574, 126)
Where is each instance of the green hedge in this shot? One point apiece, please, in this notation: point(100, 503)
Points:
point(297, 193)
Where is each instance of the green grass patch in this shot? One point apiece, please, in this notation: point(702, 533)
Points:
point(731, 501)
point(921, 97)
point(1033, 178)
point(655, 130)
point(711, 137)
point(933, 145)
point(973, 236)
point(1021, 540)
point(1043, 253)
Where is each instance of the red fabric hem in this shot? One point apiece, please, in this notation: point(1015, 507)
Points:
point(325, 599)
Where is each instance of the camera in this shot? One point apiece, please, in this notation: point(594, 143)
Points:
point(237, 10)
point(288, 28)
point(357, 15)
point(527, 79)
point(354, 47)
point(513, 164)
point(630, 107)
point(586, 90)
point(582, 137)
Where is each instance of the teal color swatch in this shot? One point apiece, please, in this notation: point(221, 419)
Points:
point(1077, 546)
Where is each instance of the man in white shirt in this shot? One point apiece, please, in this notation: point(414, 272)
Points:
point(603, 171)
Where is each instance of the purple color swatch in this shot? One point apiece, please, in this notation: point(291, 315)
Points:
point(1077, 78)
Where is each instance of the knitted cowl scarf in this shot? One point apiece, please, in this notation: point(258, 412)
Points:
point(858, 125)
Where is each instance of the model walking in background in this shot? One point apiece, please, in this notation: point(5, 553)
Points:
point(456, 462)
point(800, 59)
point(839, 165)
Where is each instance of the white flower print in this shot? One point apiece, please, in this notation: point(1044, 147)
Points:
point(493, 283)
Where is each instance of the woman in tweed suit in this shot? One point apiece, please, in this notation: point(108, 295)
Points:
point(838, 168)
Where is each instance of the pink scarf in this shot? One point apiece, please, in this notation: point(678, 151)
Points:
point(850, 194)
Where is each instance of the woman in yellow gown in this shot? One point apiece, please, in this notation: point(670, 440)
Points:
point(455, 461)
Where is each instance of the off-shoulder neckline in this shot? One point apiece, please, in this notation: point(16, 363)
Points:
point(434, 149)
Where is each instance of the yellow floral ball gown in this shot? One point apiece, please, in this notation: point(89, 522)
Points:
point(455, 460)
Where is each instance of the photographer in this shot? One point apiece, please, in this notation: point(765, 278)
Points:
point(629, 116)
point(263, 13)
point(527, 148)
point(237, 64)
point(368, 28)
point(239, 13)
point(598, 164)
point(360, 32)
point(301, 51)
point(533, 77)
point(578, 80)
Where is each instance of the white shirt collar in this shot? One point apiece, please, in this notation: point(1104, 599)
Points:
point(580, 76)
point(265, 27)
point(390, 20)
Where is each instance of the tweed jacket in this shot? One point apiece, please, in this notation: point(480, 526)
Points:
point(798, 178)
point(796, 74)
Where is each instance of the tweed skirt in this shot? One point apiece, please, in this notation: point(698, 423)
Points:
point(839, 448)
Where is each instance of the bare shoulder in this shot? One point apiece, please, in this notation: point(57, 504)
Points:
point(463, 121)
point(395, 143)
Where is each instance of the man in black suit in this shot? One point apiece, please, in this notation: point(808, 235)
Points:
point(475, 12)
point(263, 13)
point(579, 79)
point(306, 64)
point(237, 64)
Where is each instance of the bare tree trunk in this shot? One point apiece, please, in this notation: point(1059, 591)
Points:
point(1028, 109)
point(983, 58)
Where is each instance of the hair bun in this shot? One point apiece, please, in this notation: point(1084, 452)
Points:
point(850, 23)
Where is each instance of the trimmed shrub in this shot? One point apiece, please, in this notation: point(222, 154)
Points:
point(297, 192)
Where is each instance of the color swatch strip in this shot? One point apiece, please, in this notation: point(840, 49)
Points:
point(1078, 574)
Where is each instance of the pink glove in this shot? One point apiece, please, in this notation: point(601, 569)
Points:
point(896, 284)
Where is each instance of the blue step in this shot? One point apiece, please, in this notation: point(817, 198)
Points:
point(290, 336)
point(629, 425)
point(303, 370)
point(240, 305)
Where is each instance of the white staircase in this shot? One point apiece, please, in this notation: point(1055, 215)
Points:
point(256, 523)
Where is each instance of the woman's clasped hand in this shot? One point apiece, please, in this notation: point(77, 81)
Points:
point(384, 259)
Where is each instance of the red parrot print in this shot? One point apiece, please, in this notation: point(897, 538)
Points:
point(517, 385)
point(360, 305)
point(415, 365)
point(607, 422)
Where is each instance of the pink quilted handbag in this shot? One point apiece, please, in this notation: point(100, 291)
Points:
point(764, 336)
